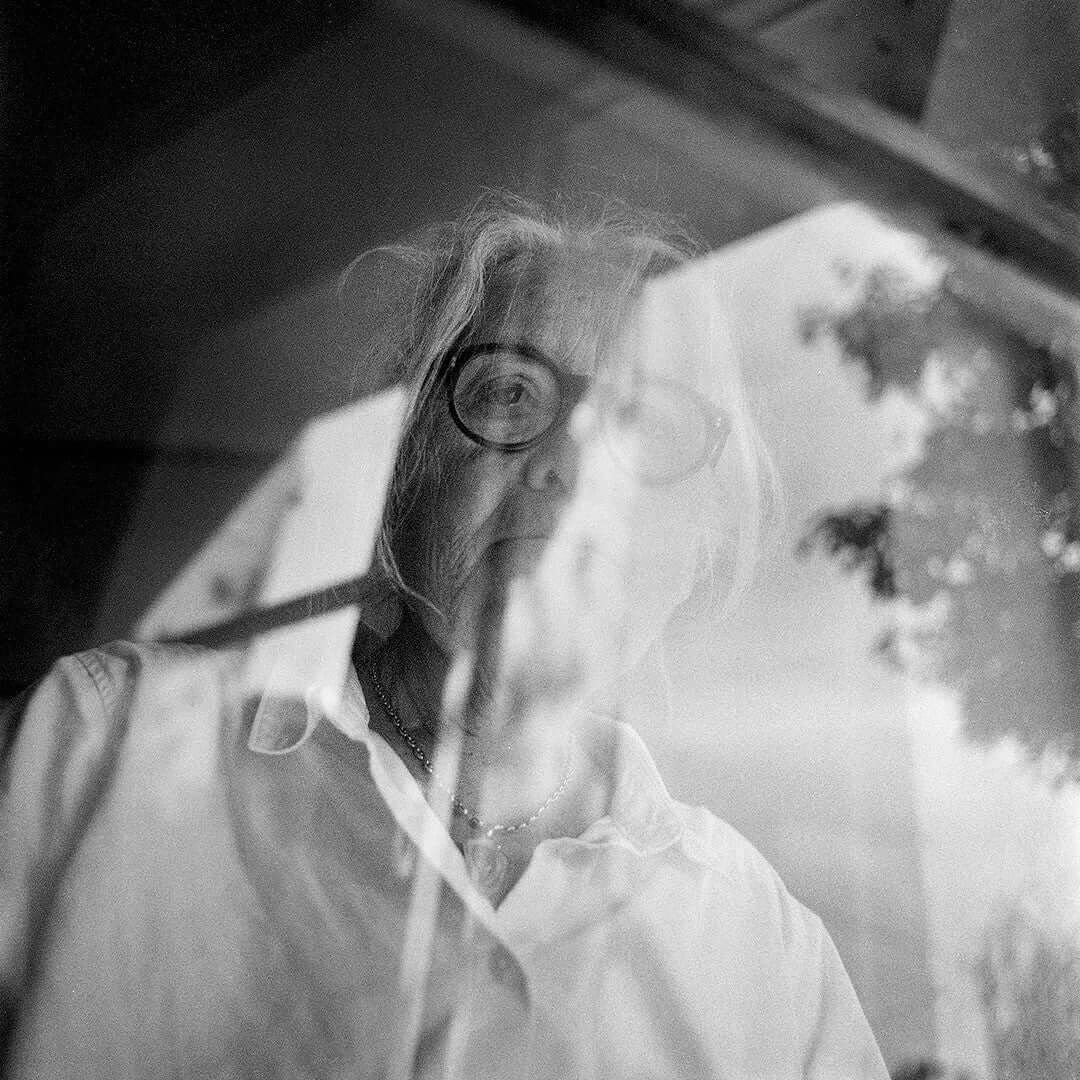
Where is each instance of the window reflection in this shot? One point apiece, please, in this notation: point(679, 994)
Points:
point(179, 408)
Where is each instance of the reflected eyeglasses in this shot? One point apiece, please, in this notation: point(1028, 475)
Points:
point(509, 397)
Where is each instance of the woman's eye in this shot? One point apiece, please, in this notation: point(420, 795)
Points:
point(504, 394)
point(646, 419)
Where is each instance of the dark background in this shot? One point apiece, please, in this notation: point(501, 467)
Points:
point(90, 89)
point(181, 185)
point(173, 168)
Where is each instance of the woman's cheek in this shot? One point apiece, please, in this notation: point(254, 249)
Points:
point(470, 498)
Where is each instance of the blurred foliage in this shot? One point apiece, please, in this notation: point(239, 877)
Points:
point(976, 540)
point(1060, 138)
point(919, 1070)
point(1029, 978)
point(860, 539)
point(1046, 156)
point(1051, 159)
point(927, 1070)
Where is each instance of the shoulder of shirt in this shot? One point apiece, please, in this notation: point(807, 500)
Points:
point(710, 840)
point(696, 831)
point(738, 868)
point(119, 667)
point(99, 697)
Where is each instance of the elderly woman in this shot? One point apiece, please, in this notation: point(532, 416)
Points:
point(471, 869)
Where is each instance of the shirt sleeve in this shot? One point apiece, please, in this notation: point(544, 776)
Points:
point(60, 745)
point(842, 1046)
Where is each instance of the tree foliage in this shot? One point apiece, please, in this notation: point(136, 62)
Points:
point(1029, 982)
point(976, 542)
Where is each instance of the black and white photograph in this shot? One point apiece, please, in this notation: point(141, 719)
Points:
point(540, 540)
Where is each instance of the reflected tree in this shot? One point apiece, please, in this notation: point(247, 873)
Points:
point(1051, 159)
point(976, 538)
point(1029, 980)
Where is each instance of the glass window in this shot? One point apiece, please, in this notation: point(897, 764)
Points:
point(870, 353)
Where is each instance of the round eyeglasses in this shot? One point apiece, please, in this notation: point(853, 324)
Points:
point(510, 397)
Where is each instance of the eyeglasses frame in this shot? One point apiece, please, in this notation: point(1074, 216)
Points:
point(716, 420)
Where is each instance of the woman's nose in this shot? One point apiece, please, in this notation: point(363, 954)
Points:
point(552, 464)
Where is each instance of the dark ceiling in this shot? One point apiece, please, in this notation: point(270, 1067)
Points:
point(90, 87)
point(93, 85)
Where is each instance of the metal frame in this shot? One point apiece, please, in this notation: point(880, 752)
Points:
point(877, 154)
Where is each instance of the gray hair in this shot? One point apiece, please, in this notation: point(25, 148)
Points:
point(451, 265)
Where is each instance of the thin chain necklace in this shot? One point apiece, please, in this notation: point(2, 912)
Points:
point(474, 819)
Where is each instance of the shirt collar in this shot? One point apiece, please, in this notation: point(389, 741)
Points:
point(301, 674)
point(642, 813)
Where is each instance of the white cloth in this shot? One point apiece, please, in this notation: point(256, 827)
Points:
point(658, 944)
point(186, 893)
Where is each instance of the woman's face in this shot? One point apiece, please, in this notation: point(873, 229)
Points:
point(490, 516)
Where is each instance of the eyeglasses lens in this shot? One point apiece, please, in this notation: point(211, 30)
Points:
point(663, 429)
point(505, 399)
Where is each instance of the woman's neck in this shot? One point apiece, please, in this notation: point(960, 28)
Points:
point(508, 767)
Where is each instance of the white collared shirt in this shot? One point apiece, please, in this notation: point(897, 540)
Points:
point(194, 894)
point(659, 943)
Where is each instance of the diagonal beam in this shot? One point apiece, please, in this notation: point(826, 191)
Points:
point(880, 156)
